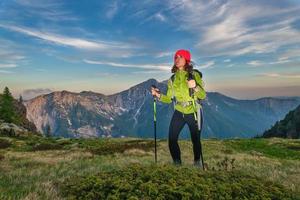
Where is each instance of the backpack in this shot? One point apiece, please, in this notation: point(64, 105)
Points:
point(190, 74)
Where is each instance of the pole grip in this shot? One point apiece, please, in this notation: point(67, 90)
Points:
point(190, 77)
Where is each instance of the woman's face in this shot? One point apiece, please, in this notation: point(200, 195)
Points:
point(180, 62)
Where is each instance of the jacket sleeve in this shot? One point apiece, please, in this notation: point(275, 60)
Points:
point(199, 90)
point(168, 97)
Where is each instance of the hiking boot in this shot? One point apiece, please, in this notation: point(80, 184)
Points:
point(198, 163)
point(177, 162)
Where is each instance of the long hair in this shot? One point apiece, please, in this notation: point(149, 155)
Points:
point(188, 67)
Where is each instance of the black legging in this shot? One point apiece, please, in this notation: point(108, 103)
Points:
point(177, 123)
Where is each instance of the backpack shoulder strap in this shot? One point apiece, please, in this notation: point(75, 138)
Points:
point(172, 78)
point(197, 71)
point(172, 88)
point(200, 74)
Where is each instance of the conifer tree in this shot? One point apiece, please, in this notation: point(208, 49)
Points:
point(21, 99)
point(48, 130)
point(7, 112)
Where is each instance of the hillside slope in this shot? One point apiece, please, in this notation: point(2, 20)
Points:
point(289, 127)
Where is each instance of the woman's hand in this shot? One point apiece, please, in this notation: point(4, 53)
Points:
point(192, 83)
point(155, 92)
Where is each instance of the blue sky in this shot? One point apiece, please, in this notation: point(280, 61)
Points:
point(245, 49)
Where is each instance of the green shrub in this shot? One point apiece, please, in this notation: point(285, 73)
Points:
point(4, 143)
point(95, 146)
point(42, 144)
point(1, 156)
point(118, 147)
point(64, 141)
point(46, 146)
point(169, 182)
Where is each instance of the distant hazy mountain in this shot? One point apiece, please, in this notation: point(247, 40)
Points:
point(130, 113)
point(289, 127)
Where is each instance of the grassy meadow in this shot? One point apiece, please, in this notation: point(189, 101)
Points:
point(58, 168)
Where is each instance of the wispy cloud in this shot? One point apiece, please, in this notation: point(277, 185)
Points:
point(283, 75)
point(237, 28)
point(255, 63)
point(10, 55)
point(164, 54)
point(156, 16)
point(162, 67)
point(279, 62)
point(229, 66)
point(209, 64)
point(8, 65)
point(5, 72)
point(107, 48)
point(160, 17)
point(237, 39)
point(9, 52)
point(290, 53)
point(66, 41)
point(112, 10)
point(48, 10)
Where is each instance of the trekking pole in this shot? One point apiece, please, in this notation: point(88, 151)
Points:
point(154, 120)
point(200, 125)
point(200, 130)
point(197, 119)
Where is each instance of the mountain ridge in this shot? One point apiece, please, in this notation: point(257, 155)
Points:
point(130, 113)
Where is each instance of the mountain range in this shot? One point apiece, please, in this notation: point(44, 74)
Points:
point(130, 113)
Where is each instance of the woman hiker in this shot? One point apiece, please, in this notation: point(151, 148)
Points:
point(179, 86)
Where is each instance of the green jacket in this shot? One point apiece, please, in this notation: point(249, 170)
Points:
point(181, 91)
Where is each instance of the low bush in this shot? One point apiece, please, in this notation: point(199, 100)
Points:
point(172, 183)
point(118, 147)
point(4, 143)
point(1, 156)
point(46, 146)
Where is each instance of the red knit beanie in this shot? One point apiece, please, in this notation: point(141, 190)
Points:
point(184, 53)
